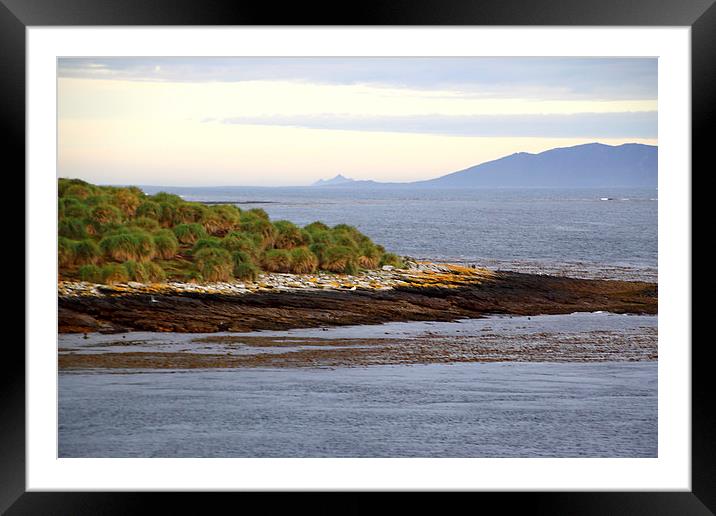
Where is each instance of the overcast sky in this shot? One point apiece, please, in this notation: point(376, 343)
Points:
point(291, 121)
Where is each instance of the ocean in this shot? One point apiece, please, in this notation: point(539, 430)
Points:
point(501, 409)
point(436, 410)
point(603, 408)
point(594, 233)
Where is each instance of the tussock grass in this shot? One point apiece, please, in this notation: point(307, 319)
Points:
point(151, 209)
point(214, 264)
point(221, 219)
point(246, 271)
point(392, 259)
point(114, 273)
point(206, 242)
point(240, 241)
point(149, 272)
point(150, 237)
point(87, 252)
point(189, 233)
point(120, 247)
point(90, 273)
point(65, 252)
point(288, 235)
point(303, 261)
point(339, 258)
point(166, 244)
point(71, 227)
point(277, 260)
point(104, 214)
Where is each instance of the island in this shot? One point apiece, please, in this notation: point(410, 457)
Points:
point(135, 262)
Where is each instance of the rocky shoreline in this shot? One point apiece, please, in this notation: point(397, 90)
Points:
point(439, 292)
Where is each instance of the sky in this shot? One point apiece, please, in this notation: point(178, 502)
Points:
point(265, 121)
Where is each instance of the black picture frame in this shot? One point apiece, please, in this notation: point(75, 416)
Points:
point(700, 15)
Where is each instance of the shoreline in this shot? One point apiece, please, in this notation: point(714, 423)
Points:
point(542, 339)
point(435, 292)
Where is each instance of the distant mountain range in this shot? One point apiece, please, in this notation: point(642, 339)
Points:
point(588, 165)
point(338, 180)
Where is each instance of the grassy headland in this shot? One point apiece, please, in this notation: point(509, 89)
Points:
point(118, 234)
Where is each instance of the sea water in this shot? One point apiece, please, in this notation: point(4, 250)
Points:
point(436, 410)
point(573, 232)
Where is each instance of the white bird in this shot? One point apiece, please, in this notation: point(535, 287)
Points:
point(151, 298)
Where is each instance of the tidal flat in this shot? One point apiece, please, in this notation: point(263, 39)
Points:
point(573, 385)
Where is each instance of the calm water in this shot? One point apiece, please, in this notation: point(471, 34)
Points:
point(462, 410)
point(440, 410)
point(564, 231)
point(606, 409)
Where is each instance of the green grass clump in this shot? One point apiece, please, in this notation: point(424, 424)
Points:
point(277, 260)
point(120, 247)
point(135, 271)
point(78, 191)
point(127, 201)
point(71, 227)
point(206, 242)
point(221, 219)
point(339, 258)
point(303, 261)
point(154, 272)
point(148, 272)
point(259, 213)
point(193, 276)
point(214, 264)
point(72, 207)
point(189, 233)
point(65, 185)
point(116, 234)
point(189, 213)
point(104, 214)
point(146, 224)
point(246, 242)
point(262, 228)
point(65, 252)
point(114, 273)
point(369, 256)
point(87, 252)
point(392, 259)
point(242, 257)
point(167, 214)
point(166, 244)
point(164, 197)
point(90, 273)
point(288, 235)
point(246, 271)
point(150, 209)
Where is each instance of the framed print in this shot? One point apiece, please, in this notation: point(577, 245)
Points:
point(417, 250)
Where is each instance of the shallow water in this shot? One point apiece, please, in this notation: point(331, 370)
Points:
point(504, 326)
point(462, 410)
point(503, 409)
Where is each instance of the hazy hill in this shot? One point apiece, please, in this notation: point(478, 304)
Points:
point(588, 165)
point(592, 164)
point(338, 180)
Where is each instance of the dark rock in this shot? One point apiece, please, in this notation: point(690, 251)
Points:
point(508, 293)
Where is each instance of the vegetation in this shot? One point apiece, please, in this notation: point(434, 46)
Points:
point(119, 234)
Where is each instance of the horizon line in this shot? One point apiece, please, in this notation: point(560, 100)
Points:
point(379, 183)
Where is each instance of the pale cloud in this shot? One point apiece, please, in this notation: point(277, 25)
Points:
point(267, 121)
point(583, 125)
point(535, 77)
point(129, 99)
point(192, 153)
